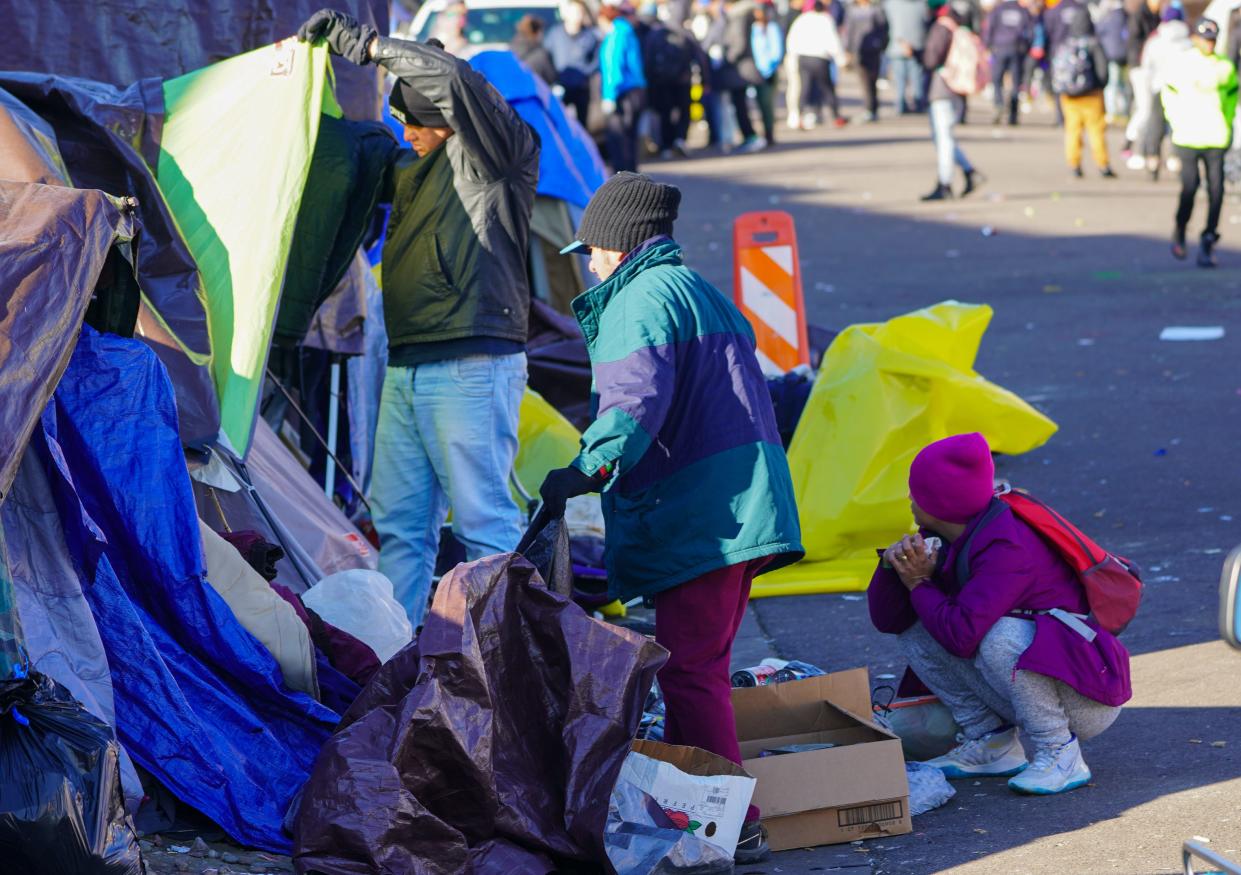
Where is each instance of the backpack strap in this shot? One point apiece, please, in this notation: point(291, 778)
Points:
point(1076, 622)
point(993, 510)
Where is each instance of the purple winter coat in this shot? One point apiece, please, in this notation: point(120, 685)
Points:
point(1010, 568)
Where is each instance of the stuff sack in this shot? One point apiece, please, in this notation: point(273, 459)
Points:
point(61, 807)
point(966, 68)
point(1072, 67)
point(1113, 583)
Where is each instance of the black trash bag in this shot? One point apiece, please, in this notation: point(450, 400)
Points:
point(491, 745)
point(546, 546)
point(642, 840)
point(62, 811)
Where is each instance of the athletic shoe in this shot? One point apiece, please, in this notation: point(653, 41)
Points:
point(1107, 173)
point(1178, 244)
point(1077, 172)
point(840, 121)
point(939, 193)
point(1056, 769)
point(995, 755)
point(1134, 162)
point(1206, 250)
point(794, 122)
point(679, 146)
point(752, 846)
point(752, 144)
point(973, 181)
point(1173, 164)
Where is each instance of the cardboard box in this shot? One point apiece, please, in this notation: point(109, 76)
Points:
point(855, 790)
point(706, 795)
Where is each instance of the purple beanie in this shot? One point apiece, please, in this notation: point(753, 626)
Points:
point(953, 479)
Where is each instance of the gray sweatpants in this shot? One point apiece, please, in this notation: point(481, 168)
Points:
point(987, 692)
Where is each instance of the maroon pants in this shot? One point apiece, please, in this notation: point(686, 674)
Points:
point(697, 622)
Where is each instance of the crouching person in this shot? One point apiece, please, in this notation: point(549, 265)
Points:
point(995, 623)
point(697, 496)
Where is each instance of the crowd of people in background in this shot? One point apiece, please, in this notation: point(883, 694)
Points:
point(638, 77)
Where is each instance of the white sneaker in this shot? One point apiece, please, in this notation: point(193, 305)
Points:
point(995, 755)
point(1173, 164)
point(794, 121)
point(1054, 770)
point(1136, 162)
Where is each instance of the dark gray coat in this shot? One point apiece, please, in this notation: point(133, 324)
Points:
point(455, 261)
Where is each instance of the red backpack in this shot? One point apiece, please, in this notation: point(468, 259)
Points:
point(1113, 584)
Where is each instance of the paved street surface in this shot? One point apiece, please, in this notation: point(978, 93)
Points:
point(1082, 283)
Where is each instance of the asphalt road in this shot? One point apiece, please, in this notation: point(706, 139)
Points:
point(1081, 281)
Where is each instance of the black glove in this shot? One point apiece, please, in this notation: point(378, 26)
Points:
point(344, 35)
point(561, 485)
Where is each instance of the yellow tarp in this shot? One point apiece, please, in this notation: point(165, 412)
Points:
point(547, 440)
point(884, 392)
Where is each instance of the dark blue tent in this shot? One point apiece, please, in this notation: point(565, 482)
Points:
point(200, 703)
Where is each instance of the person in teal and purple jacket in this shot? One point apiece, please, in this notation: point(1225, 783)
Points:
point(697, 496)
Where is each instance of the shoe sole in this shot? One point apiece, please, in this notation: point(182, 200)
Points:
point(954, 773)
point(1032, 791)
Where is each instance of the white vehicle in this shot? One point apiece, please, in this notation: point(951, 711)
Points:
point(489, 24)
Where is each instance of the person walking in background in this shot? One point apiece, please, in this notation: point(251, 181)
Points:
point(1057, 22)
point(1113, 32)
point(710, 28)
point(456, 305)
point(738, 69)
point(574, 46)
point(697, 496)
point(1162, 51)
point(622, 86)
point(1079, 75)
point(815, 42)
point(1200, 100)
point(945, 108)
point(767, 44)
point(528, 45)
point(1009, 36)
point(1142, 23)
point(668, 54)
point(907, 27)
point(866, 39)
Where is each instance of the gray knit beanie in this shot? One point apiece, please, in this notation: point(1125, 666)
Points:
point(626, 211)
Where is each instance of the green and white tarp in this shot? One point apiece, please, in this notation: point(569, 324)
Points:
point(235, 152)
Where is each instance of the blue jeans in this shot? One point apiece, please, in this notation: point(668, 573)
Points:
point(947, 153)
point(447, 438)
point(904, 73)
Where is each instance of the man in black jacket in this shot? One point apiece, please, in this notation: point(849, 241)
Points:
point(456, 303)
point(1008, 33)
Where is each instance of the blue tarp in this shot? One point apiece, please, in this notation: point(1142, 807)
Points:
point(569, 165)
point(200, 703)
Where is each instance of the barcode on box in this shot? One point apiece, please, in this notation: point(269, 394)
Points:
point(717, 800)
point(863, 814)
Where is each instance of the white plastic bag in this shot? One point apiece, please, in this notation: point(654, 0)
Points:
point(928, 788)
point(361, 603)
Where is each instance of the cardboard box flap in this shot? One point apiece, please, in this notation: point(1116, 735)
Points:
point(755, 707)
point(839, 777)
point(690, 760)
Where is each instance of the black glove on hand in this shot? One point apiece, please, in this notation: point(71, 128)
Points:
point(344, 35)
point(561, 485)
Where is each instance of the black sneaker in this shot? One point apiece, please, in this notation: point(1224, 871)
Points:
point(752, 847)
point(941, 192)
point(1206, 250)
point(1107, 173)
point(1077, 172)
point(973, 181)
point(1178, 244)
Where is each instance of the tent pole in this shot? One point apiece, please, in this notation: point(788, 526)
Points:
point(333, 425)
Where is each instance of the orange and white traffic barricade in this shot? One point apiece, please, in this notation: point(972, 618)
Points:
point(767, 288)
